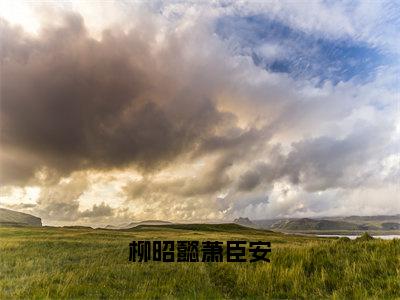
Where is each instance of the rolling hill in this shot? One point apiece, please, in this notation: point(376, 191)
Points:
point(198, 227)
point(135, 224)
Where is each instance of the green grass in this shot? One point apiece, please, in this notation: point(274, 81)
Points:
point(83, 263)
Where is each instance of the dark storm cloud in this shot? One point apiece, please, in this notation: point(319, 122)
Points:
point(249, 180)
point(211, 179)
point(232, 148)
point(69, 102)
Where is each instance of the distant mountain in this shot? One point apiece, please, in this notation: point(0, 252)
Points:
point(390, 226)
point(244, 222)
point(352, 223)
point(10, 217)
point(355, 219)
point(149, 222)
point(266, 223)
point(312, 224)
point(162, 225)
point(197, 227)
point(112, 227)
point(135, 224)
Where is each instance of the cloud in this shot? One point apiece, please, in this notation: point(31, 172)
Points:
point(249, 180)
point(156, 114)
point(97, 211)
point(325, 162)
point(61, 201)
point(97, 104)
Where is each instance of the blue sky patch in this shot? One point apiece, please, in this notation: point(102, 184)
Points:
point(277, 47)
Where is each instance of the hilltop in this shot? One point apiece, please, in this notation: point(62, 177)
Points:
point(198, 227)
point(351, 224)
point(244, 222)
point(312, 224)
point(10, 217)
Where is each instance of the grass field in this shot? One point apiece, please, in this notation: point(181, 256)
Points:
point(84, 263)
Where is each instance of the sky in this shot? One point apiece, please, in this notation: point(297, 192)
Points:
point(113, 112)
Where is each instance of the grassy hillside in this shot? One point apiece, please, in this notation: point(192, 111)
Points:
point(93, 263)
point(14, 218)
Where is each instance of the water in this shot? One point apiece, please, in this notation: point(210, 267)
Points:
point(352, 237)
